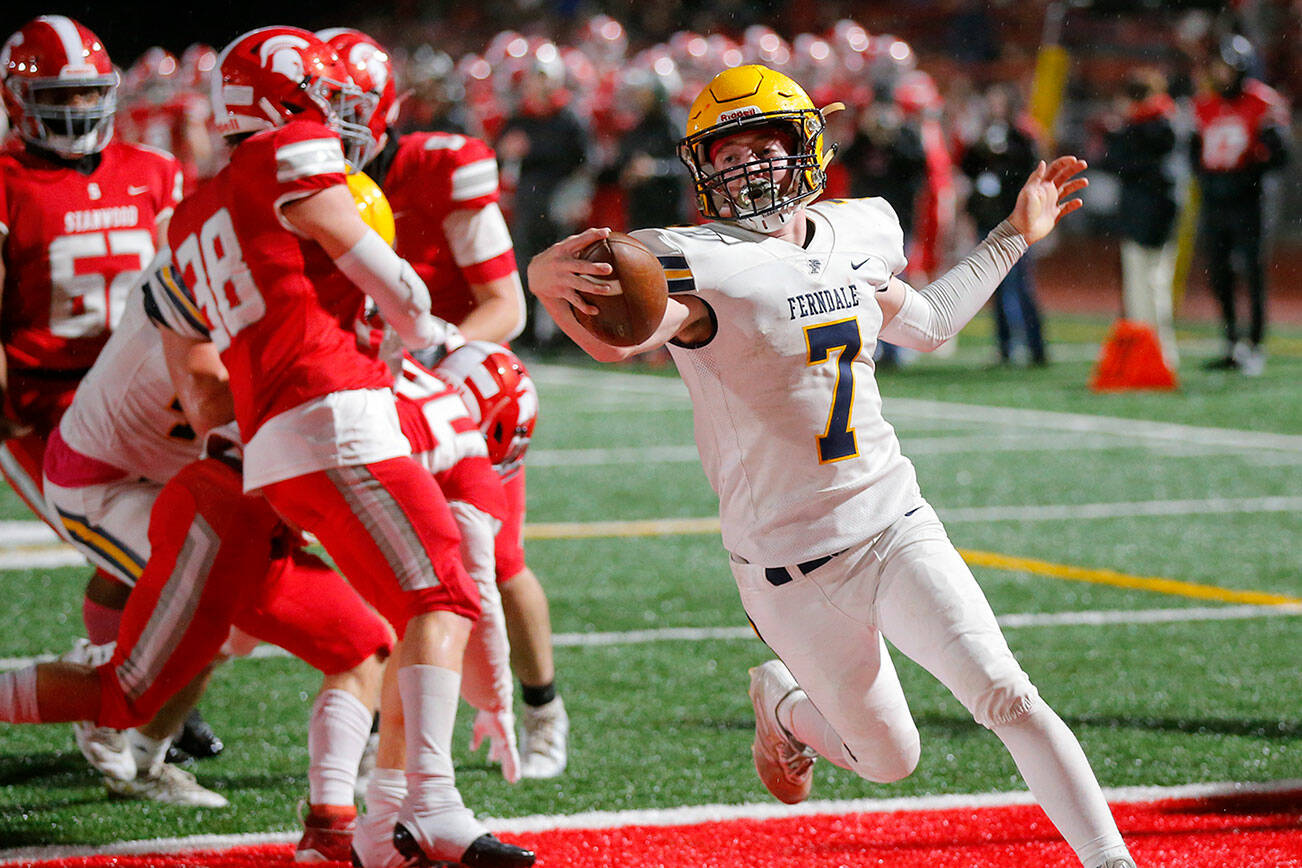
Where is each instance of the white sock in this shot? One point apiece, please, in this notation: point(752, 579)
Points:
point(1055, 768)
point(386, 790)
point(18, 696)
point(443, 825)
point(336, 737)
point(148, 752)
point(806, 723)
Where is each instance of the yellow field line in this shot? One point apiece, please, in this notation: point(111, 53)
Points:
point(993, 560)
point(1157, 585)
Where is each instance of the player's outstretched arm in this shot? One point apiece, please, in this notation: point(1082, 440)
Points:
point(926, 318)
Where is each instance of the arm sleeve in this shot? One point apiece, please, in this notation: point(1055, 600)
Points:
point(934, 314)
point(168, 301)
point(396, 289)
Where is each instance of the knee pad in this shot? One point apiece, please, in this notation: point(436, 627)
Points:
point(1005, 701)
point(890, 754)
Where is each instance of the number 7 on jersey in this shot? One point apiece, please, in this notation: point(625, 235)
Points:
point(837, 440)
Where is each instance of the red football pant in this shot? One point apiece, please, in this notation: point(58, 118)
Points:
point(222, 558)
point(510, 539)
point(389, 529)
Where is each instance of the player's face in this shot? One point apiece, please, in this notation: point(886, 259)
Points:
point(70, 97)
point(735, 160)
point(746, 147)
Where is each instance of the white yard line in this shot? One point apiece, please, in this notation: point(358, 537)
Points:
point(1015, 621)
point(683, 816)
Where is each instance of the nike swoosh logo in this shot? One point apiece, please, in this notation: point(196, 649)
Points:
point(136, 191)
point(858, 265)
point(912, 511)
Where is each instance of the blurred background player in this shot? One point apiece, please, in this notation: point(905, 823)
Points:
point(91, 210)
point(1237, 140)
point(163, 108)
point(444, 191)
point(283, 293)
point(1138, 150)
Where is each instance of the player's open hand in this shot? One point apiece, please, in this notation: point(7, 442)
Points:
point(1043, 200)
point(558, 272)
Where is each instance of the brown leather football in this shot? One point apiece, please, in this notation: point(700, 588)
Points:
point(631, 317)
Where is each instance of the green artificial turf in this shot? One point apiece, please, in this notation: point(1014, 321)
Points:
point(668, 723)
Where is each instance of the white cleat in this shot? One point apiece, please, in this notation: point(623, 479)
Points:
point(545, 740)
point(167, 784)
point(1122, 862)
point(373, 841)
point(106, 750)
point(785, 766)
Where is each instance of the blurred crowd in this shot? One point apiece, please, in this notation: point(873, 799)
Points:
point(586, 129)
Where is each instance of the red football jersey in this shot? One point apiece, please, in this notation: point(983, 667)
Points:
point(75, 244)
point(280, 312)
point(1231, 128)
point(444, 190)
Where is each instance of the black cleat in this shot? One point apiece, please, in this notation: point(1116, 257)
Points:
point(1223, 363)
point(197, 739)
point(486, 851)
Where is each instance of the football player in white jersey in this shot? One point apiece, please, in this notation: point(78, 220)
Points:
point(773, 313)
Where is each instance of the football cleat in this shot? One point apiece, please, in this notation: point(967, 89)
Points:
point(545, 740)
point(324, 839)
point(1122, 862)
point(169, 785)
point(196, 738)
point(106, 749)
point(785, 766)
point(486, 851)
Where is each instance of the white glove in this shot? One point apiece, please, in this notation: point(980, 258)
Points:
point(499, 728)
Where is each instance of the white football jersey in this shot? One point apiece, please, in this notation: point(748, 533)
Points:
point(786, 408)
point(126, 412)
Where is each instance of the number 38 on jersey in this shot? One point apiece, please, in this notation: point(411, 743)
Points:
point(213, 267)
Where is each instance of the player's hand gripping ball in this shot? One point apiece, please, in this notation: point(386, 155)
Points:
point(630, 317)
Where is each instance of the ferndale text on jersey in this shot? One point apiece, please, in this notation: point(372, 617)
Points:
point(823, 301)
point(101, 218)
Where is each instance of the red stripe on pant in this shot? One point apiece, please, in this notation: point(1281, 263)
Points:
point(180, 614)
point(388, 528)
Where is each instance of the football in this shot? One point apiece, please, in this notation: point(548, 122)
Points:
point(631, 317)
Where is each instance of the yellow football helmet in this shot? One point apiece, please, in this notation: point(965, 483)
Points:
point(372, 205)
point(745, 98)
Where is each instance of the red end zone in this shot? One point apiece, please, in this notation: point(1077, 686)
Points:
point(1247, 831)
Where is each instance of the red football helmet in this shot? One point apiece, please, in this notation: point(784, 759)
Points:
point(198, 66)
point(50, 69)
point(371, 69)
point(499, 394)
point(273, 74)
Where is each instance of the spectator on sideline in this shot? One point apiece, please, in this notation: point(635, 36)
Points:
point(1137, 151)
point(997, 163)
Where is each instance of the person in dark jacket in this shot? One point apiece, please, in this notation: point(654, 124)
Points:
point(1237, 139)
point(1138, 152)
point(996, 162)
point(542, 146)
